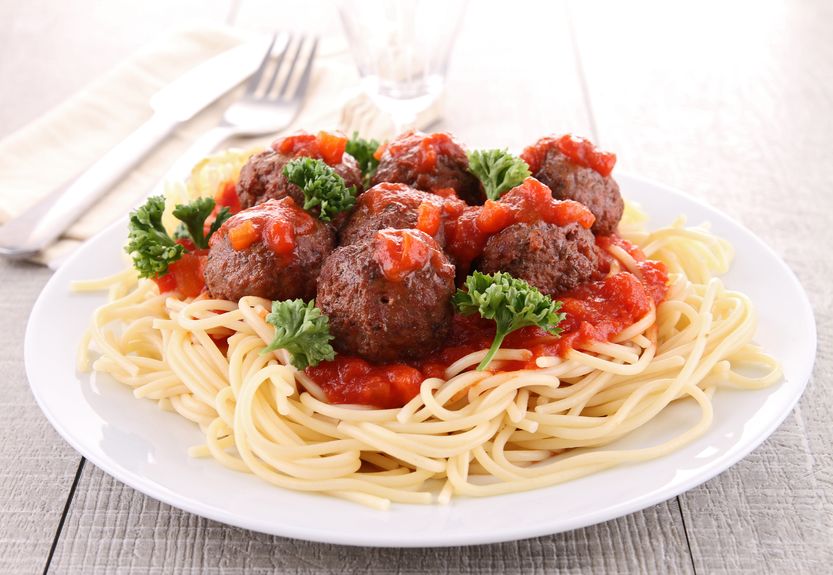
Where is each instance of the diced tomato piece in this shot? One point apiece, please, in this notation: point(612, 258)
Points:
point(243, 235)
point(429, 216)
point(331, 147)
point(445, 192)
point(166, 282)
point(494, 217)
point(298, 144)
point(280, 236)
point(226, 196)
point(188, 273)
point(400, 252)
point(380, 150)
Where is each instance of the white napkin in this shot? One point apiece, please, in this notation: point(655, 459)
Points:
point(60, 145)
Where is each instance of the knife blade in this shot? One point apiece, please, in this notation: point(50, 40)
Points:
point(38, 226)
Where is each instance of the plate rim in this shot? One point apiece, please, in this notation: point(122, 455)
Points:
point(326, 535)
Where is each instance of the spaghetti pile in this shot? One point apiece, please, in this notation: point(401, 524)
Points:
point(474, 433)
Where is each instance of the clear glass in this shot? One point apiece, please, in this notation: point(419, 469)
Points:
point(401, 48)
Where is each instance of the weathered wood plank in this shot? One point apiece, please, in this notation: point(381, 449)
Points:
point(36, 466)
point(113, 529)
point(51, 50)
point(732, 102)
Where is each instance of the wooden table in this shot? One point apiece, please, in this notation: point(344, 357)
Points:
point(731, 102)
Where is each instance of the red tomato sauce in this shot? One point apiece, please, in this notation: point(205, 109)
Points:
point(402, 252)
point(185, 275)
point(322, 146)
point(276, 222)
point(529, 202)
point(580, 151)
point(595, 311)
point(420, 151)
point(226, 196)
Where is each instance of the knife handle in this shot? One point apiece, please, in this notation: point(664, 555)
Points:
point(48, 218)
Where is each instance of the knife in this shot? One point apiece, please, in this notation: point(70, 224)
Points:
point(38, 226)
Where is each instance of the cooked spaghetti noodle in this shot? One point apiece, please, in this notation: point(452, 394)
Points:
point(473, 433)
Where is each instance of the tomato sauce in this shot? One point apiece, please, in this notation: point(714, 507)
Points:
point(580, 151)
point(529, 202)
point(277, 223)
point(226, 196)
point(594, 311)
point(420, 151)
point(322, 146)
point(402, 252)
point(185, 275)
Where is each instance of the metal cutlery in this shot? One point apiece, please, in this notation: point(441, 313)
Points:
point(272, 100)
point(37, 227)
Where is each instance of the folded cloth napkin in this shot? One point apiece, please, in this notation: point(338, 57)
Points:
point(60, 145)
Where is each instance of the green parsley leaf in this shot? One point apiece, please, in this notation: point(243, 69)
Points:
point(363, 151)
point(498, 170)
point(510, 302)
point(193, 218)
point(322, 187)
point(302, 330)
point(150, 246)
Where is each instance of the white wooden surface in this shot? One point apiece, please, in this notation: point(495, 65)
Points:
point(729, 102)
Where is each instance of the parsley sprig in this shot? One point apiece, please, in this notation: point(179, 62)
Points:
point(364, 150)
point(302, 330)
point(498, 170)
point(150, 245)
point(322, 186)
point(193, 218)
point(510, 302)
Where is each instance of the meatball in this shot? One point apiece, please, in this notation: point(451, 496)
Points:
point(383, 306)
point(262, 177)
point(273, 250)
point(550, 257)
point(570, 180)
point(429, 162)
point(399, 206)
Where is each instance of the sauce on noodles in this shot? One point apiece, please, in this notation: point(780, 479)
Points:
point(595, 311)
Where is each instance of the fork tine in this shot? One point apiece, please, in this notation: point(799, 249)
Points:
point(301, 88)
point(255, 80)
point(292, 67)
point(267, 87)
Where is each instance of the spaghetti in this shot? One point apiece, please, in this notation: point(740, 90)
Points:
point(470, 433)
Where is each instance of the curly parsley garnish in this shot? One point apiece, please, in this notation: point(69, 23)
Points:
point(302, 330)
point(498, 170)
point(510, 302)
point(364, 150)
point(322, 187)
point(193, 218)
point(149, 244)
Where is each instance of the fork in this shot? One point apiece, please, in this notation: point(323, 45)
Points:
point(265, 107)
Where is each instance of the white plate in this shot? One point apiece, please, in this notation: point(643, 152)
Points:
point(138, 444)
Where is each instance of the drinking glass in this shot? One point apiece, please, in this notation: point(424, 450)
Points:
point(401, 49)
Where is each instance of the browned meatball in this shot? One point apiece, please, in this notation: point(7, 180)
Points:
point(273, 250)
point(552, 258)
point(569, 180)
point(399, 206)
point(262, 178)
point(429, 162)
point(382, 306)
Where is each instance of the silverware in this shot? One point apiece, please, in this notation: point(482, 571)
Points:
point(37, 227)
point(272, 100)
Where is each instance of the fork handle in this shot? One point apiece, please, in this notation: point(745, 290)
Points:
point(38, 226)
